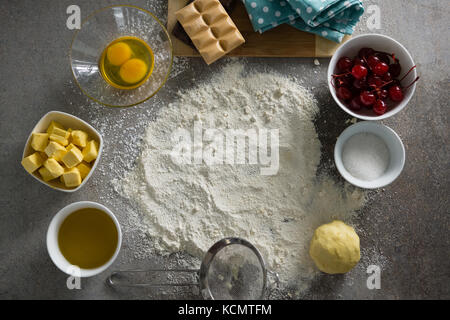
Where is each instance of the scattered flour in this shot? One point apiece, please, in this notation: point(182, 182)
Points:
point(189, 207)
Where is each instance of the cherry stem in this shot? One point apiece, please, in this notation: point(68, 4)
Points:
point(364, 58)
point(340, 75)
point(332, 83)
point(412, 83)
point(386, 83)
point(407, 73)
point(383, 85)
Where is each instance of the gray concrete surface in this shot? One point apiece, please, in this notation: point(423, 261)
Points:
point(405, 227)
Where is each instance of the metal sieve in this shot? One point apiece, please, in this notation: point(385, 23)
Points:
point(232, 269)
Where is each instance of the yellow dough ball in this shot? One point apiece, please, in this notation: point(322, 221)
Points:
point(133, 70)
point(335, 247)
point(118, 53)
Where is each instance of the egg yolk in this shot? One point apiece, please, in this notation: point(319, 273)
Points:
point(133, 70)
point(118, 53)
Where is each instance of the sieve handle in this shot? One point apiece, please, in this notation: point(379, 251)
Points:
point(140, 278)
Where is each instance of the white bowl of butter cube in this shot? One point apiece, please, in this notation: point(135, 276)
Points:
point(62, 151)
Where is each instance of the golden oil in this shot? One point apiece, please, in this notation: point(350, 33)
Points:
point(126, 63)
point(88, 238)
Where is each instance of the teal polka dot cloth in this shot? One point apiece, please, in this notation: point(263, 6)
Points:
point(331, 19)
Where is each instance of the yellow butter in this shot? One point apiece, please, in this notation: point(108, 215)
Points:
point(54, 125)
point(55, 150)
point(32, 162)
point(72, 158)
point(84, 169)
point(45, 174)
point(90, 152)
point(72, 178)
point(70, 146)
point(61, 132)
point(79, 138)
point(53, 167)
point(39, 141)
point(57, 138)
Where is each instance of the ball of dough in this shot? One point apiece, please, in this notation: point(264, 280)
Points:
point(335, 247)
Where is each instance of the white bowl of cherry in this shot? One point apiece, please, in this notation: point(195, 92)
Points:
point(372, 77)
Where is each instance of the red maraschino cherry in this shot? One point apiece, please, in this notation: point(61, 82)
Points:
point(344, 93)
point(359, 71)
point(380, 68)
point(345, 64)
point(367, 98)
point(396, 93)
point(356, 104)
point(395, 69)
point(380, 107)
point(365, 52)
point(372, 61)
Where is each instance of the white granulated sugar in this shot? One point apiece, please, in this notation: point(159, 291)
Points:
point(188, 207)
point(365, 156)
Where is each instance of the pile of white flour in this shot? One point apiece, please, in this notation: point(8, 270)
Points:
point(189, 207)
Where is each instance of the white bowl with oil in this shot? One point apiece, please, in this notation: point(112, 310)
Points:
point(53, 244)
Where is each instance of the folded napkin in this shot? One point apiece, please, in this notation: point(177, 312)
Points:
point(331, 19)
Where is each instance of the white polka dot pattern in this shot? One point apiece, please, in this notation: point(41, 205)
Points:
point(331, 19)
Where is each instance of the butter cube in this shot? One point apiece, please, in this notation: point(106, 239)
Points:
point(61, 132)
point(45, 174)
point(55, 150)
point(39, 141)
point(61, 140)
point(84, 169)
point(70, 146)
point(72, 178)
point(72, 158)
point(54, 168)
point(90, 152)
point(60, 135)
point(32, 162)
point(54, 125)
point(79, 138)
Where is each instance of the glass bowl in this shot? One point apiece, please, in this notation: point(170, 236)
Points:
point(101, 28)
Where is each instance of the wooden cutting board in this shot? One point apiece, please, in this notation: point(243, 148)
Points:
point(282, 41)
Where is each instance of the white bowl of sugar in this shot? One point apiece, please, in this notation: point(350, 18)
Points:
point(369, 155)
